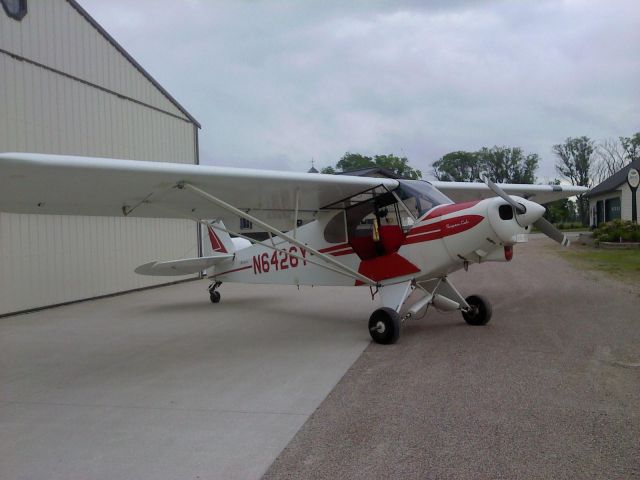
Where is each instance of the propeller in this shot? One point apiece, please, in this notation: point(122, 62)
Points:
point(541, 223)
point(518, 207)
point(546, 227)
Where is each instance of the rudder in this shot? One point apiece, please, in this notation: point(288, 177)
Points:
point(215, 240)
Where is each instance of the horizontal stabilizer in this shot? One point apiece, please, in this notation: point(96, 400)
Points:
point(181, 267)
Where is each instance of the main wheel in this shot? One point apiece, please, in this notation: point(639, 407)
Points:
point(215, 296)
point(480, 312)
point(384, 326)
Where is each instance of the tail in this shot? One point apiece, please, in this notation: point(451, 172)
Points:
point(217, 247)
point(216, 240)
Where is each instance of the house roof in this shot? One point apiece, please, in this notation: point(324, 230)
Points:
point(370, 172)
point(615, 180)
point(131, 60)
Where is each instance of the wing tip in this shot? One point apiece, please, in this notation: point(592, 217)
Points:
point(146, 269)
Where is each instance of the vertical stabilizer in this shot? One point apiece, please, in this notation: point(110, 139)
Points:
point(215, 241)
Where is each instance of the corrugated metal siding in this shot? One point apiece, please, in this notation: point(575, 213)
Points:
point(46, 260)
point(49, 113)
point(56, 35)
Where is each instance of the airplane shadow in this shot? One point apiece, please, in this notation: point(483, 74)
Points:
point(205, 305)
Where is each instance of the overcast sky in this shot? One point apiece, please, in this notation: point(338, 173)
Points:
point(277, 83)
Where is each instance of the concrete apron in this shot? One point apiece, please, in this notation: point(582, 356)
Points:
point(163, 384)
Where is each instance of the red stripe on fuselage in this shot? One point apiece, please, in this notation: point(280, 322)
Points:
point(341, 253)
point(334, 248)
point(338, 250)
point(441, 210)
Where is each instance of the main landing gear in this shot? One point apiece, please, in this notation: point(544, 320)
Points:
point(384, 326)
point(385, 323)
point(214, 295)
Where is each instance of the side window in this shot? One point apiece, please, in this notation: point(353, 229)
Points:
point(16, 9)
point(335, 231)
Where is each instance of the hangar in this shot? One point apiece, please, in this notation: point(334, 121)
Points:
point(67, 87)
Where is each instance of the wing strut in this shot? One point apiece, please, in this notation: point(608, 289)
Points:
point(254, 241)
point(230, 208)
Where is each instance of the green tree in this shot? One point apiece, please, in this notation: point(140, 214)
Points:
point(631, 146)
point(458, 166)
point(355, 161)
point(328, 170)
point(502, 164)
point(614, 154)
point(560, 211)
point(398, 165)
point(575, 158)
point(509, 164)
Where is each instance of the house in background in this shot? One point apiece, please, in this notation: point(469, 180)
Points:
point(617, 197)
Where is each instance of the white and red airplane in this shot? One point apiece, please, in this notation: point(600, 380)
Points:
point(394, 236)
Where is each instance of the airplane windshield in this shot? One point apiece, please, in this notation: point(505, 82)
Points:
point(419, 196)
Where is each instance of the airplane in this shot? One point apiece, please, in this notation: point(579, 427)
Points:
point(393, 236)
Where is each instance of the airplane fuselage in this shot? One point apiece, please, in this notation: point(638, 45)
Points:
point(445, 239)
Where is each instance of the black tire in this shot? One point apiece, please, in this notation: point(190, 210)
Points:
point(384, 326)
point(215, 296)
point(481, 310)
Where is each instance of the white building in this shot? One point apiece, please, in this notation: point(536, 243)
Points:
point(614, 198)
point(67, 87)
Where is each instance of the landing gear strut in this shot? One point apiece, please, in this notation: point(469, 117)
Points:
point(214, 295)
point(384, 326)
point(480, 311)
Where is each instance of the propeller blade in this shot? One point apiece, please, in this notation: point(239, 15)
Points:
point(501, 193)
point(552, 232)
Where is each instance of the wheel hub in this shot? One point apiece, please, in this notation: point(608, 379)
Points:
point(380, 328)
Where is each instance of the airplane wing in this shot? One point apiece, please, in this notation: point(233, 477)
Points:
point(465, 191)
point(57, 184)
point(181, 267)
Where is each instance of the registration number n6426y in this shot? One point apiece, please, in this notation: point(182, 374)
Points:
point(278, 260)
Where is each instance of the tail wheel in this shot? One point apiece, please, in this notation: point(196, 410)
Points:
point(215, 296)
point(480, 312)
point(384, 326)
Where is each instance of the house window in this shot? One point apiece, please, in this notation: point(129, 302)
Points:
point(245, 224)
point(16, 9)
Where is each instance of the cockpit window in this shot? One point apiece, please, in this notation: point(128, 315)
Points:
point(419, 196)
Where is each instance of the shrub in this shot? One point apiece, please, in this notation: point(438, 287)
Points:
point(616, 231)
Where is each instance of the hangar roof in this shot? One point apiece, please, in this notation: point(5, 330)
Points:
point(131, 60)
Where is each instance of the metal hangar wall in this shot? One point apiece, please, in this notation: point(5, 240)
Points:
point(67, 87)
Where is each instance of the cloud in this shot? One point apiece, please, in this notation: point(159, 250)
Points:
point(275, 84)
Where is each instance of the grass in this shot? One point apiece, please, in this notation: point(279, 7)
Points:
point(622, 264)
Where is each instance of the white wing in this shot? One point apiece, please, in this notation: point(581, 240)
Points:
point(56, 184)
point(465, 191)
